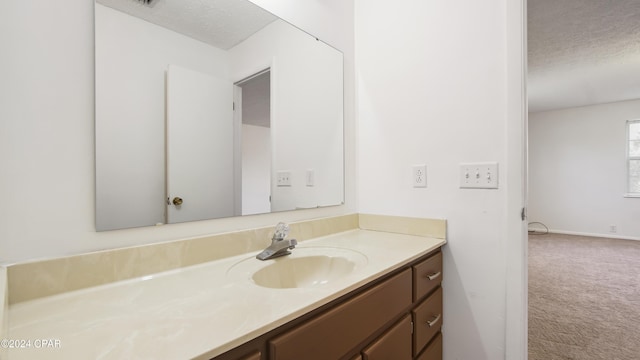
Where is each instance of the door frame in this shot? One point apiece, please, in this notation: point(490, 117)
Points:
point(516, 319)
point(237, 130)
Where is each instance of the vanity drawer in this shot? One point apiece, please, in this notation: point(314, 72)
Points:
point(427, 275)
point(427, 319)
point(333, 334)
point(433, 351)
point(395, 344)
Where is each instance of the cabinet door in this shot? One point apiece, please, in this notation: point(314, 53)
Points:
point(434, 350)
point(333, 334)
point(252, 356)
point(427, 275)
point(395, 344)
point(427, 318)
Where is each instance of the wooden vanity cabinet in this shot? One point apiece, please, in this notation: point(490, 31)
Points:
point(394, 344)
point(334, 333)
point(433, 351)
point(427, 275)
point(252, 356)
point(397, 317)
point(427, 319)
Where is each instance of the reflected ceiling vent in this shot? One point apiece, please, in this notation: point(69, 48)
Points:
point(145, 1)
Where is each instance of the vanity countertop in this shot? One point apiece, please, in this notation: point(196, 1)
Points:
point(194, 312)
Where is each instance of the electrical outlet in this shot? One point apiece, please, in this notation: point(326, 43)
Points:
point(283, 178)
point(419, 176)
point(613, 229)
point(479, 175)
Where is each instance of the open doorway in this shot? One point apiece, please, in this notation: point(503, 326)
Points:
point(584, 257)
point(253, 124)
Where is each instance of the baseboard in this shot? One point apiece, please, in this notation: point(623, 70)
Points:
point(611, 236)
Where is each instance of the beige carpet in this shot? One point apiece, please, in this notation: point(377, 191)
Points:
point(584, 298)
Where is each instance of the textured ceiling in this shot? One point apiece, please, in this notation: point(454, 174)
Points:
point(221, 23)
point(582, 52)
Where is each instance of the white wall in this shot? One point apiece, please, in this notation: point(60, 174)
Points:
point(432, 88)
point(577, 170)
point(332, 22)
point(130, 113)
point(47, 130)
point(306, 112)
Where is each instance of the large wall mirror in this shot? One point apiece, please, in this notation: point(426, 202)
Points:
point(210, 109)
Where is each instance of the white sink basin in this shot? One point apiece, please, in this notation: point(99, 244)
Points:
point(306, 267)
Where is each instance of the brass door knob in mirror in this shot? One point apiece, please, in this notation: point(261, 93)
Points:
point(177, 201)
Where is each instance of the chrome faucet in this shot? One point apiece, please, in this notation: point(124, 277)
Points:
point(279, 245)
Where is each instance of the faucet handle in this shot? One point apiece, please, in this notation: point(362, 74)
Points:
point(282, 230)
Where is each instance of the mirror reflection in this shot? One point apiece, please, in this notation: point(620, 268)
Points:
point(210, 109)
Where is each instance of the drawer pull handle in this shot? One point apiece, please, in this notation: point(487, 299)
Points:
point(434, 321)
point(434, 276)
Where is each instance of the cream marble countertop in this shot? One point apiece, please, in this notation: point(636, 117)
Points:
point(195, 312)
point(4, 310)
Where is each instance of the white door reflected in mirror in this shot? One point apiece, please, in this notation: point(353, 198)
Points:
point(199, 109)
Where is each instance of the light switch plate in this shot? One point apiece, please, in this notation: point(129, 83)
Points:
point(479, 175)
point(311, 177)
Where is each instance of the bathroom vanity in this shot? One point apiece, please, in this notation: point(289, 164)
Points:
point(354, 294)
point(397, 316)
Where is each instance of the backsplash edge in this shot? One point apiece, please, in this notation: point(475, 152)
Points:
point(32, 280)
point(37, 279)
